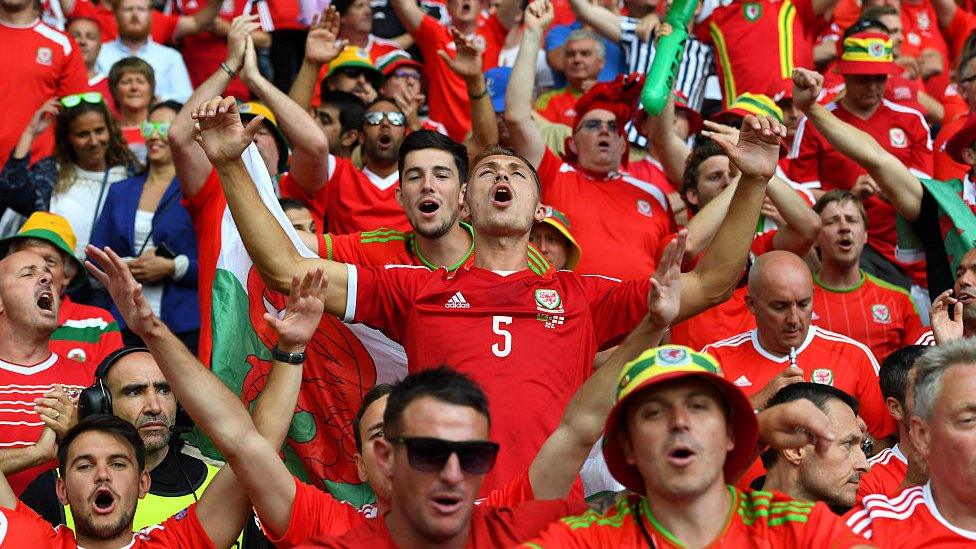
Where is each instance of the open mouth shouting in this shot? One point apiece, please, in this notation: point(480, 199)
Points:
point(845, 243)
point(446, 503)
point(502, 195)
point(45, 301)
point(385, 141)
point(104, 501)
point(681, 456)
point(428, 207)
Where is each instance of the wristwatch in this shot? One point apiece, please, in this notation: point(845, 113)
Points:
point(288, 358)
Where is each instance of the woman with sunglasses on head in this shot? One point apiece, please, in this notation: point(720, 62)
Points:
point(145, 222)
point(89, 156)
point(132, 82)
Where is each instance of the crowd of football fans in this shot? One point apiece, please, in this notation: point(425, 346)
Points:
point(401, 273)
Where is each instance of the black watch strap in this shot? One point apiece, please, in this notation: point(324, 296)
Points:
point(288, 358)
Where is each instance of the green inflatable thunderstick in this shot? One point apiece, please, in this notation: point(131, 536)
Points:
point(667, 57)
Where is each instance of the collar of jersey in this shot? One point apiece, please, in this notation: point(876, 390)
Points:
point(811, 332)
point(451, 268)
point(860, 282)
point(646, 513)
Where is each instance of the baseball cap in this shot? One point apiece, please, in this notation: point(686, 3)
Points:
point(666, 363)
point(560, 222)
point(352, 57)
point(394, 60)
point(54, 229)
point(868, 52)
point(496, 80)
point(254, 108)
point(962, 139)
point(755, 104)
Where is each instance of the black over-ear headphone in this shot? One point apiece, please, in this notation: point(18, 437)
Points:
point(98, 400)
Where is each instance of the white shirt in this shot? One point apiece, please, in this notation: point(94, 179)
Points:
point(80, 204)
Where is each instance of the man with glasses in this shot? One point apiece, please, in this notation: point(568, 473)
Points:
point(620, 220)
point(353, 71)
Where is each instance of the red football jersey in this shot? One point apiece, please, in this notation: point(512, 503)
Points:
point(280, 14)
point(874, 312)
point(19, 386)
point(447, 94)
point(619, 221)
point(85, 334)
point(352, 199)
point(902, 131)
point(384, 247)
point(650, 170)
point(888, 470)
point(38, 63)
point(783, 30)
point(907, 520)
point(559, 106)
point(506, 332)
point(23, 527)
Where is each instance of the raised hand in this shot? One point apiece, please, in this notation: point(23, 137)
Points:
point(795, 424)
point(306, 302)
point(807, 85)
point(219, 131)
point(664, 299)
point(467, 62)
point(756, 152)
point(240, 30)
point(538, 15)
point(114, 275)
point(321, 45)
point(946, 329)
point(41, 121)
point(58, 412)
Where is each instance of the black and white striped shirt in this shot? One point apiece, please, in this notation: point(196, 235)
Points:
point(696, 66)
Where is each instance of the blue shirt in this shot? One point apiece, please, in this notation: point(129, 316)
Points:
point(172, 79)
point(613, 64)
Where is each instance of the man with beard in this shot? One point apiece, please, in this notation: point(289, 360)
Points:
point(350, 199)
point(833, 478)
point(133, 16)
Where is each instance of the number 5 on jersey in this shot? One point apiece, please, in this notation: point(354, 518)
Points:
point(503, 348)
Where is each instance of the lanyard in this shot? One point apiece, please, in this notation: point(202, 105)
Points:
point(640, 524)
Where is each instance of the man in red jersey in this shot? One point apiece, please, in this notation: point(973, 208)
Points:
point(889, 467)
point(554, 311)
point(39, 63)
point(898, 129)
point(678, 435)
point(848, 300)
point(620, 220)
point(584, 54)
point(941, 513)
point(801, 473)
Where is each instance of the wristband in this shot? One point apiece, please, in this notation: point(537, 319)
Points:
point(480, 95)
point(230, 72)
point(287, 358)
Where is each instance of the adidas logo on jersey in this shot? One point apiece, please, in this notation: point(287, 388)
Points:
point(457, 301)
point(742, 381)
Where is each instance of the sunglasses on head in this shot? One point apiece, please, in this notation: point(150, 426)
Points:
point(429, 455)
point(594, 125)
point(71, 101)
point(147, 128)
point(375, 118)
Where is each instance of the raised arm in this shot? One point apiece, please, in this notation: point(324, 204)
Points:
point(523, 134)
point(555, 467)
point(199, 21)
point(945, 10)
point(192, 166)
point(409, 14)
point(310, 149)
point(801, 224)
point(755, 154)
point(224, 139)
point(603, 21)
point(321, 47)
point(214, 408)
point(467, 65)
point(667, 146)
point(903, 189)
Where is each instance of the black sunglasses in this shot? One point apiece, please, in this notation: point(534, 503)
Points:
point(429, 455)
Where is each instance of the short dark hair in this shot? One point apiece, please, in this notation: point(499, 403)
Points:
point(817, 393)
point(369, 398)
point(704, 149)
point(342, 6)
point(170, 104)
point(893, 375)
point(497, 150)
point(103, 423)
point(351, 108)
point(292, 204)
point(428, 139)
point(443, 383)
point(384, 99)
point(840, 195)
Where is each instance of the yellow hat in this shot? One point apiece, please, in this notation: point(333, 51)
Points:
point(252, 109)
point(352, 57)
point(54, 229)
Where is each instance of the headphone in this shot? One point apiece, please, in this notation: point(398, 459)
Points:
point(98, 400)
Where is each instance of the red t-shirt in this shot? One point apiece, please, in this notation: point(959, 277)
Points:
point(490, 526)
point(757, 519)
point(280, 14)
point(784, 31)
point(447, 94)
point(907, 520)
point(888, 470)
point(38, 63)
point(23, 527)
point(384, 247)
point(874, 312)
point(162, 27)
point(619, 221)
point(963, 23)
point(352, 199)
point(85, 334)
point(559, 106)
point(920, 24)
point(19, 386)
point(945, 167)
point(902, 131)
point(507, 333)
point(650, 170)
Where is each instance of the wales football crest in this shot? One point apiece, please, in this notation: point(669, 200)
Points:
point(752, 11)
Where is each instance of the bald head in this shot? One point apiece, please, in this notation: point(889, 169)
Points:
point(780, 297)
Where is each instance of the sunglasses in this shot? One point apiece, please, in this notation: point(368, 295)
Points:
point(160, 128)
point(407, 73)
point(375, 118)
point(429, 455)
point(593, 125)
point(71, 101)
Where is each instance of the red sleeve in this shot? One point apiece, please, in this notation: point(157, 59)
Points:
point(74, 76)
point(825, 529)
point(383, 296)
point(345, 248)
point(549, 169)
point(529, 519)
point(516, 492)
point(164, 27)
point(923, 159)
point(803, 155)
point(22, 527)
point(702, 30)
point(616, 307)
point(315, 513)
point(962, 25)
point(180, 530)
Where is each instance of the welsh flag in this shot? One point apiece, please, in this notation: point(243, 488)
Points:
point(343, 360)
